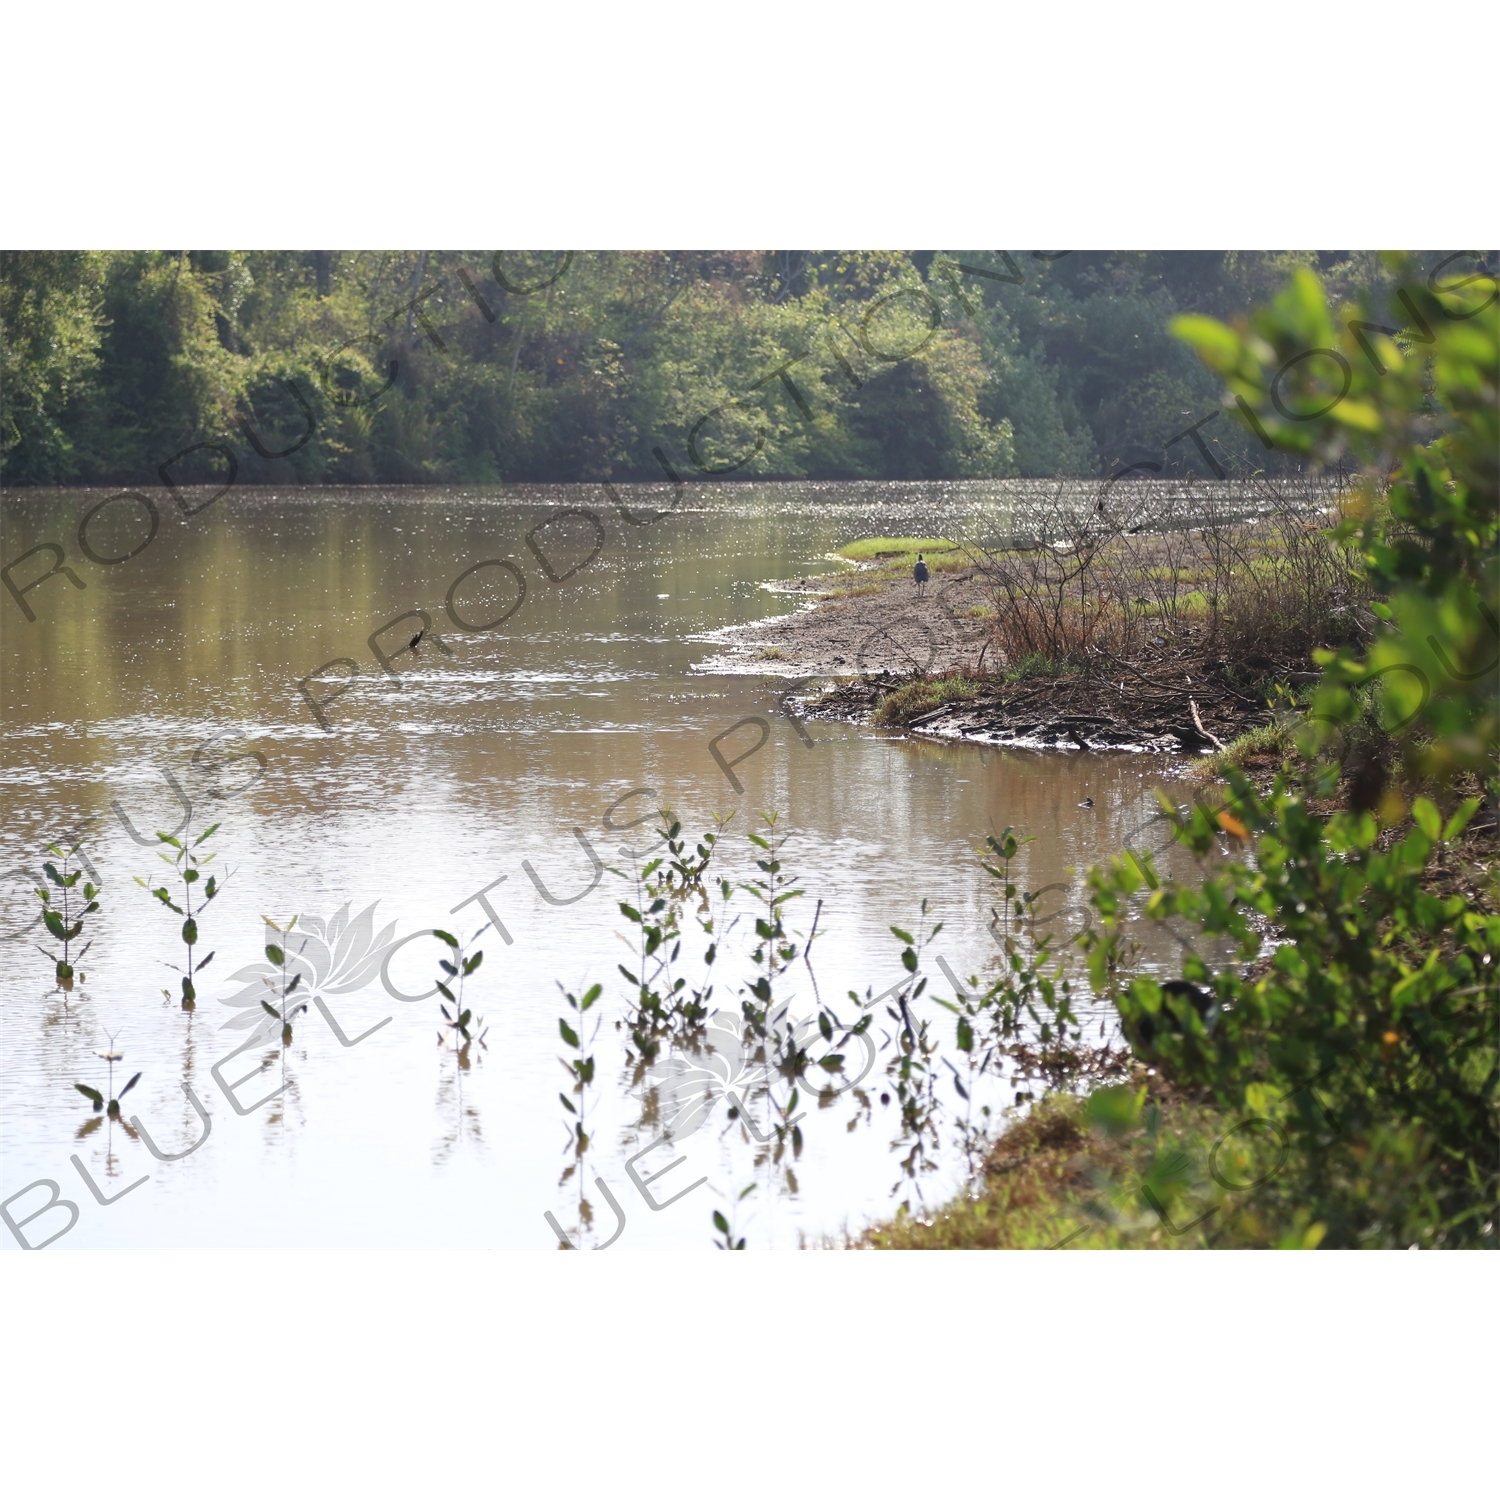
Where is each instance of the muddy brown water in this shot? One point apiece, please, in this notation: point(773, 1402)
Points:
point(501, 760)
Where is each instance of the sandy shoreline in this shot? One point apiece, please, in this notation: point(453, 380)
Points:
point(843, 656)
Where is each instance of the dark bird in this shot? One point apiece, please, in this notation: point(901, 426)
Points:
point(1177, 994)
point(412, 644)
point(920, 573)
point(1087, 802)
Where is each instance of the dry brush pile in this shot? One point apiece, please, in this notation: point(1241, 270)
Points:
point(1249, 575)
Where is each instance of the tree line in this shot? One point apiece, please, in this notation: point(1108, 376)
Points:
point(481, 368)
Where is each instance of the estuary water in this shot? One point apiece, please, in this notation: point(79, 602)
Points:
point(170, 690)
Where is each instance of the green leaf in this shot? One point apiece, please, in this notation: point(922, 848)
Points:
point(202, 964)
point(54, 924)
point(275, 954)
point(568, 1034)
point(720, 1222)
point(905, 937)
point(593, 994)
point(451, 970)
point(909, 961)
point(470, 964)
point(1460, 819)
point(207, 833)
point(190, 931)
point(52, 874)
point(270, 1010)
point(444, 990)
point(189, 876)
point(446, 937)
point(135, 1080)
point(93, 1095)
point(1115, 1109)
point(1426, 817)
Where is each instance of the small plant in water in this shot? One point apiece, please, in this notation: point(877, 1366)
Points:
point(460, 1019)
point(186, 866)
point(912, 1070)
point(767, 1021)
point(280, 987)
point(94, 1096)
point(727, 1231)
point(66, 924)
point(579, 1067)
point(664, 888)
point(1017, 902)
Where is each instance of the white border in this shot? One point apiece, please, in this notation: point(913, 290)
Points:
point(678, 125)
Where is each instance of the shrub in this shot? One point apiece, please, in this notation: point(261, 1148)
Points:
point(913, 699)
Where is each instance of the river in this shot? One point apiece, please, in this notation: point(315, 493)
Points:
point(498, 760)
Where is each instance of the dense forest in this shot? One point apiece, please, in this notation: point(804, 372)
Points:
point(439, 366)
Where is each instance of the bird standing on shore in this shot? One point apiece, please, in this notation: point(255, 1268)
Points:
point(920, 573)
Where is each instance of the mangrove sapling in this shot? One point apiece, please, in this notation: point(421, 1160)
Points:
point(579, 1039)
point(664, 1004)
point(66, 924)
point(186, 865)
point(579, 1068)
point(685, 881)
point(460, 1020)
point(728, 1240)
point(111, 1056)
point(282, 989)
point(655, 922)
point(766, 1021)
point(912, 1070)
point(970, 1006)
point(1017, 903)
point(837, 1034)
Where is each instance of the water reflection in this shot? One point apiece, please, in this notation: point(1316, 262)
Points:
point(501, 781)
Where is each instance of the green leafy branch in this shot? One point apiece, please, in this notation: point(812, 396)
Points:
point(284, 1011)
point(187, 866)
point(459, 966)
point(62, 919)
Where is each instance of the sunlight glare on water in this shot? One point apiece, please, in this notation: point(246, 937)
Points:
point(484, 761)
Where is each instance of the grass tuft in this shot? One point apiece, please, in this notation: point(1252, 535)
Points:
point(1035, 664)
point(883, 548)
point(1266, 741)
point(913, 699)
